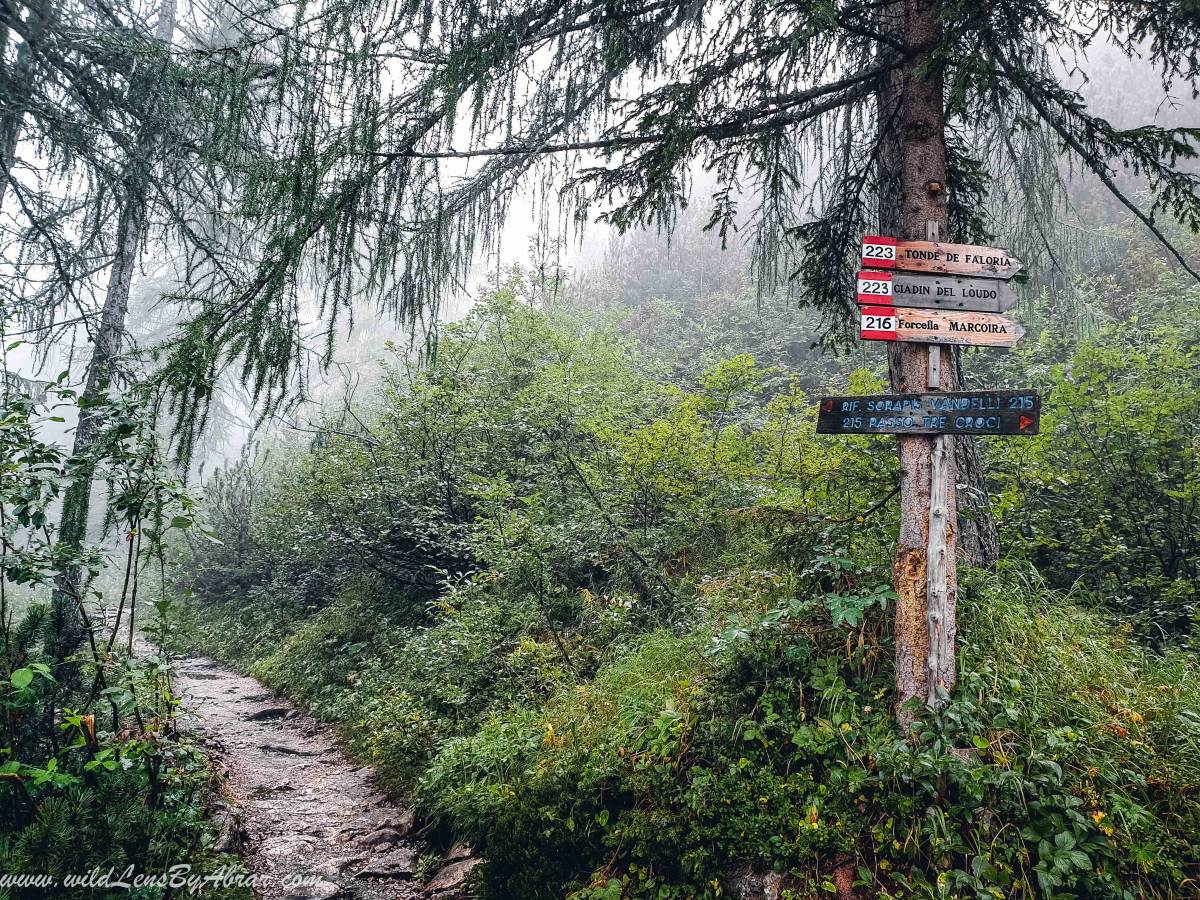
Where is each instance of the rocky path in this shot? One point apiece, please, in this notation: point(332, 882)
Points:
point(299, 807)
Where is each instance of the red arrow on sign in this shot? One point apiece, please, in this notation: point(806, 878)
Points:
point(1024, 422)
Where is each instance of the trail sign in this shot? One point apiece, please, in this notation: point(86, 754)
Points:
point(930, 326)
point(934, 291)
point(949, 412)
point(931, 256)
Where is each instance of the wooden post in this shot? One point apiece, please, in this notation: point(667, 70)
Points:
point(940, 559)
point(912, 161)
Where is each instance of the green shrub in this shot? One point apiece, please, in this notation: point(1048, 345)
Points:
point(533, 786)
point(673, 768)
point(119, 818)
point(1107, 497)
point(627, 638)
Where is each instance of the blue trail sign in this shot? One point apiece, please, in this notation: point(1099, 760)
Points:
point(948, 412)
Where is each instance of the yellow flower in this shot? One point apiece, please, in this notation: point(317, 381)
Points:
point(1098, 816)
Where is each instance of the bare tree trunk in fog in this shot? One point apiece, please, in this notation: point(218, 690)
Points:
point(18, 91)
point(64, 630)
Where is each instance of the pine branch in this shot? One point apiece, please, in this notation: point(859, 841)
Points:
point(746, 124)
point(1038, 100)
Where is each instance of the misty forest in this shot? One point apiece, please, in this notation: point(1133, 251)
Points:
point(599, 449)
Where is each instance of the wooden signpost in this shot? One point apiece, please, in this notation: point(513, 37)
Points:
point(947, 259)
point(934, 292)
point(928, 292)
point(949, 412)
point(931, 326)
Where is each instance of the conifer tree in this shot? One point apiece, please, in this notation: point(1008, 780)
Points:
point(64, 626)
point(117, 136)
point(834, 118)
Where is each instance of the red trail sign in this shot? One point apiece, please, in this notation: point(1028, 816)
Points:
point(932, 326)
point(931, 256)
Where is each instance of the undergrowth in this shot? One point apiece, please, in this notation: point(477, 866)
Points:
point(631, 640)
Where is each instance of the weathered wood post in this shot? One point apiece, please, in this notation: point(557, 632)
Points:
point(940, 556)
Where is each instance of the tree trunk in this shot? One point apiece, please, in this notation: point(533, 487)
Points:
point(19, 89)
point(912, 164)
point(10, 124)
point(65, 628)
point(978, 540)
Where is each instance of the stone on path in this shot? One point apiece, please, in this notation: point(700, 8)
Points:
point(452, 876)
point(389, 817)
point(271, 712)
point(322, 890)
point(380, 837)
point(457, 852)
point(288, 749)
point(400, 863)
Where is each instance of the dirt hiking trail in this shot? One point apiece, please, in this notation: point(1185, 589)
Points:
point(299, 806)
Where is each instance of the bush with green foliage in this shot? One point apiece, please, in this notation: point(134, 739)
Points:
point(778, 749)
point(93, 773)
point(628, 638)
point(1107, 498)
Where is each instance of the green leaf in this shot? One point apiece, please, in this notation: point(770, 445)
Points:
point(22, 678)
